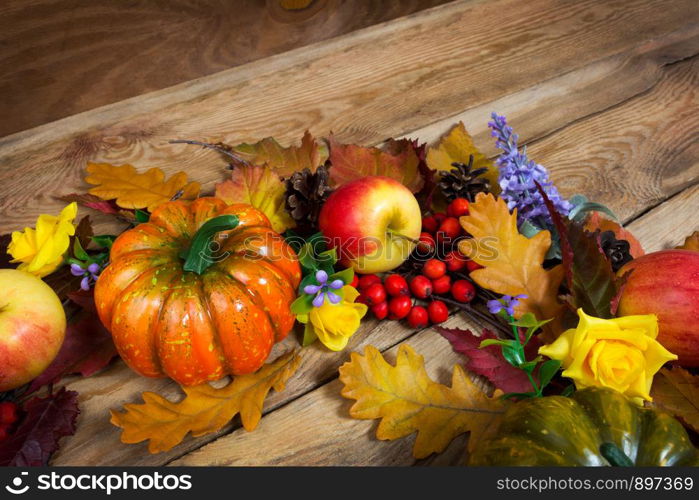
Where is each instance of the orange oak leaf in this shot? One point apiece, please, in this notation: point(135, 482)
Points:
point(133, 190)
point(512, 263)
point(595, 221)
point(260, 187)
point(204, 409)
point(691, 242)
point(407, 400)
point(677, 392)
point(456, 146)
point(396, 159)
point(285, 160)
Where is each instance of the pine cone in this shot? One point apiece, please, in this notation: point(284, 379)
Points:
point(617, 251)
point(461, 182)
point(305, 194)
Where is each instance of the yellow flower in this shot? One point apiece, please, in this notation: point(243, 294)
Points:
point(41, 250)
point(619, 353)
point(334, 324)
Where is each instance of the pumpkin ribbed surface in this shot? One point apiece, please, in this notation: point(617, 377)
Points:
point(198, 327)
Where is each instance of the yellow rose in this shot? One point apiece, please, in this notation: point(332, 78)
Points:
point(41, 250)
point(619, 353)
point(334, 324)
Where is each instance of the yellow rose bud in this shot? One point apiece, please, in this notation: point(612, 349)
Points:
point(620, 353)
point(41, 250)
point(334, 324)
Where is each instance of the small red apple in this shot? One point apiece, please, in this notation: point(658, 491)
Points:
point(32, 327)
point(373, 222)
point(666, 283)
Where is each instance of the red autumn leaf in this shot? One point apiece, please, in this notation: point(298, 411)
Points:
point(489, 361)
point(87, 349)
point(93, 202)
point(83, 298)
point(595, 221)
point(429, 178)
point(396, 159)
point(46, 420)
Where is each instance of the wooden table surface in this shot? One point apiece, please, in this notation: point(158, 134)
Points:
point(604, 93)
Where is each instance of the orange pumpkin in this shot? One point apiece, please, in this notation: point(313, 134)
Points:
point(200, 291)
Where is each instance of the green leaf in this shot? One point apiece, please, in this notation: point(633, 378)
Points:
point(307, 259)
point(309, 335)
point(547, 370)
point(346, 275)
point(141, 216)
point(317, 242)
point(568, 391)
point(488, 342)
point(528, 366)
point(328, 257)
point(78, 250)
point(104, 240)
point(302, 305)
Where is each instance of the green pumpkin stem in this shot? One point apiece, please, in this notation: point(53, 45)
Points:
point(200, 256)
point(614, 455)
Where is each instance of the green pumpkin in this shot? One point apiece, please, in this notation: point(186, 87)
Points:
point(594, 427)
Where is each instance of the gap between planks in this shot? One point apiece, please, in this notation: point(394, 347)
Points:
point(138, 385)
point(353, 442)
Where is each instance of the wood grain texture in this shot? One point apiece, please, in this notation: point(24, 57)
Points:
point(119, 385)
point(324, 434)
point(674, 90)
point(386, 80)
point(62, 57)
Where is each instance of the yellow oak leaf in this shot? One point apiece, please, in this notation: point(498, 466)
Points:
point(691, 242)
point(456, 146)
point(397, 159)
point(677, 392)
point(134, 190)
point(204, 409)
point(512, 264)
point(285, 160)
point(407, 400)
point(260, 187)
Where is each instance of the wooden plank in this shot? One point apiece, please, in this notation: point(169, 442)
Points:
point(396, 77)
point(117, 385)
point(57, 60)
point(324, 434)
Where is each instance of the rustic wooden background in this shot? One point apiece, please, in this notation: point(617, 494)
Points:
point(603, 92)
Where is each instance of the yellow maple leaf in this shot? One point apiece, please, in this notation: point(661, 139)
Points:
point(134, 190)
point(691, 242)
point(513, 263)
point(456, 146)
point(204, 409)
point(407, 400)
point(260, 187)
point(285, 160)
point(677, 392)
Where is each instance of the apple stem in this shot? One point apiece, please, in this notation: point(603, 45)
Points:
point(401, 236)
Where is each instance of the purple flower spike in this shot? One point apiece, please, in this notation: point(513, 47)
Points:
point(321, 277)
point(323, 289)
point(85, 283)
point(93, 268)
point(337, 284)
point(506, 303)
point(334, 298)
point(518, 175)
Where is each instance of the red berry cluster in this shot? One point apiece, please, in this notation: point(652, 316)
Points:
point(9, 414)
point(397, 297)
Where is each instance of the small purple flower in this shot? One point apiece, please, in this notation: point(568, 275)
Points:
point(506, 303)
point(518, 175)
point(89, 274)
point(322, 289)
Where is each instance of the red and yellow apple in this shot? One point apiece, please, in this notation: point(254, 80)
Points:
point(32, 327)
point(666, 283)
point(373, 222)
